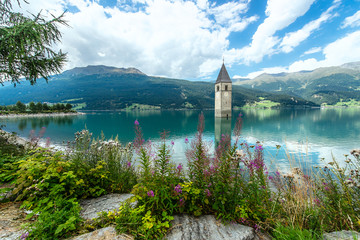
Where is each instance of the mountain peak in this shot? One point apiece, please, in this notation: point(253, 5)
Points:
point(352, 65)
point(101, 69)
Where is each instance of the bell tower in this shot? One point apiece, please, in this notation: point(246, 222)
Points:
point(223, 94)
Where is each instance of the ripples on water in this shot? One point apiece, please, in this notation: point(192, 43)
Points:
point(306, 135)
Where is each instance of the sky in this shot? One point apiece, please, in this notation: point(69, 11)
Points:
point(190, 39)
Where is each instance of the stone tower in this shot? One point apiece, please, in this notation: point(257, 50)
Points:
point(223, 92)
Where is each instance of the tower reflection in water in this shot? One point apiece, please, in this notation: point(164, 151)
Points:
point(222, 127)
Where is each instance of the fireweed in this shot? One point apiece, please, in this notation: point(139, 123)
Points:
point(338, 194)
point(157, 193)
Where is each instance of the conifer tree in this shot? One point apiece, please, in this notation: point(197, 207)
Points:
point(26, 45)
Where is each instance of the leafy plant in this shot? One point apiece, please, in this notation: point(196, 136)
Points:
point(57, 222)
point(282, 232)
point(102, 166)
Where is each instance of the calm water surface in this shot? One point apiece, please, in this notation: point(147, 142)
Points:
point(307, 135)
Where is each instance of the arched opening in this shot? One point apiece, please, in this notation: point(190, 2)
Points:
point(218, 88)
point(226, 87)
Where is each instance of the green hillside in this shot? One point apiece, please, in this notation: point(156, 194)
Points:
point(107, 88)
point(324, 85)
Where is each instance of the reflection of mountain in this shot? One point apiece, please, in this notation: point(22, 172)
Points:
point(331, 127)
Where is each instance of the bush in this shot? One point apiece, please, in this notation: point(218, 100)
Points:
point(49, 183)
point(57, 222)
point(102, 166)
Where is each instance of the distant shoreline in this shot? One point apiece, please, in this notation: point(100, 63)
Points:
point(41, 115)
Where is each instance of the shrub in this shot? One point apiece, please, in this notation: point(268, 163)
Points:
point(57, 222)
point(102, 166)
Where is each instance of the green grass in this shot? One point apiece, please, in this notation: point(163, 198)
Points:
point(262, 104)
point(78, 106)
point(350, 103)
point(188, 105)
point(71, 100)
point(137, 106)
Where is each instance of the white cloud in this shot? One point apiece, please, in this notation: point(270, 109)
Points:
point(313, 50)
point(170, 38)
point(343, 50)
point(293, 39)
point(352, 21)
point(229, 15)
point(280, 14)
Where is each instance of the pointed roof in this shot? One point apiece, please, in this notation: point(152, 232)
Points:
point(223, 75)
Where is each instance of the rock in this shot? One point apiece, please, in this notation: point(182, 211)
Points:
point(342, 235)
point(108, 233)
point(110, 202)
point(10, 235)
point(11, 218)
point(186, 227)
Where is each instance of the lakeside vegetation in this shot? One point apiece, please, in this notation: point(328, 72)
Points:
point(136, 106)
point(35, 108)
point(235, 185)
point(350, 103)
point(262, 104)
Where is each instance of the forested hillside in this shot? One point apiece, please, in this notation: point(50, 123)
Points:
point(108, 88)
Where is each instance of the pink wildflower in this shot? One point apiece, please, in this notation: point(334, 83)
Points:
point(150, 193)
point(208, 193)
point(178, 189)
point(181, 202)
point(179, 167)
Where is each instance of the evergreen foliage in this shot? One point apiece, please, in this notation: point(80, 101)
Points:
point(26, 45)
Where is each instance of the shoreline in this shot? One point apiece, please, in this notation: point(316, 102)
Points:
point(25, 141)
point(62, 114)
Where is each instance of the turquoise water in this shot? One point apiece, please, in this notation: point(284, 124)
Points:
point(307, 135)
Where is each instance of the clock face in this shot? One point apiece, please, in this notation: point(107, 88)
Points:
point(226, 94)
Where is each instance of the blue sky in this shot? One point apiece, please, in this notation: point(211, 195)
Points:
point(188, 39)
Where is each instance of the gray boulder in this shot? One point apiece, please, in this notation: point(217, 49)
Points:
point(206, 227)
point(91, 207)
point(108, 233)
point(342, 235)
point(10, 234)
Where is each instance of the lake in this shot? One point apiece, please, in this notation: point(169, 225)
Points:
point(307, 135)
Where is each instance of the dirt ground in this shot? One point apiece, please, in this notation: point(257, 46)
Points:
point(11, 218)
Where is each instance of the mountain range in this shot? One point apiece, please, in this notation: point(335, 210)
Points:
point(323, 85)
point(110, 88)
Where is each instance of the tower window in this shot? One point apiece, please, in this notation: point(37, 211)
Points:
point(218, 88)
point(226, 88)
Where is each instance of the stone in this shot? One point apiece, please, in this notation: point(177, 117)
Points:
point(11, 218)
point(10, 234)
point(91, 207)
point(342, 235)
point(186, 227)
point(108, 233)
